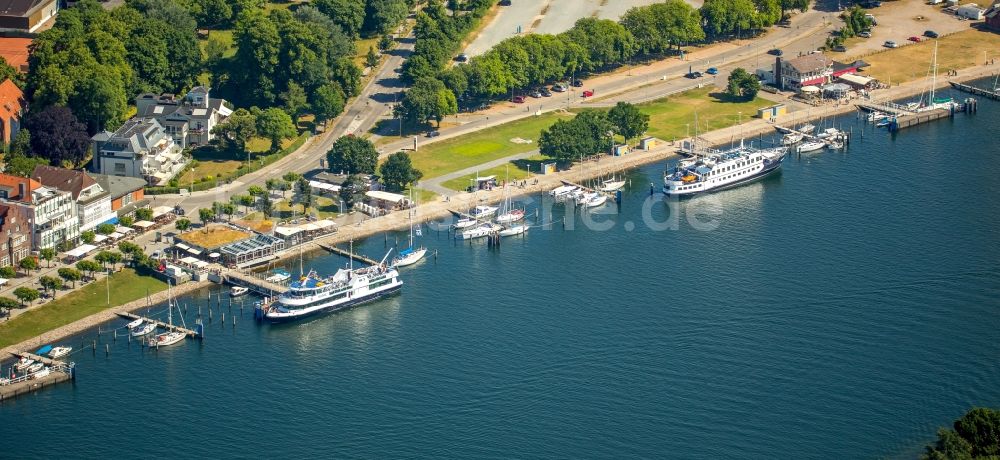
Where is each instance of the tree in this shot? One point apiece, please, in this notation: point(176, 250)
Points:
point(351, 190)
point(291, 176)
point(352, 155)
point(126, 221)
point(237, 130)
point(628, 121)
point(229, 209)
point(348, 14)
point(397, 172)
point(294, 101)
point(489, 76)
point(88, 236)
point(258, 45)
point(182, 224)
point(88, 266)
point(28, 264)
point(7, 272)
point(213, 13)
point(50, 283)
point(105, 229)
point(130, 250)
point(58, 136)
point(246, 201)
point(426, 100)
point(24, 165)
point(109, 257)
point(385, 43)
point(26, 295)
point(371, 59)
point(305, 193)
point(7, 304)
point(48, 255)
point(144, 214)
point(21, 145)
point(327, 102)
point(256, 190)
point(606, 42)
point(70, 275)
point(381, 16)
point(571, 140)
point(660, 26)
point(274, 124)
point(205, 215)
point(974, 436)
point(742, 84)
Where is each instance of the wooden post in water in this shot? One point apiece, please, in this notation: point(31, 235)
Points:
point(107, 349)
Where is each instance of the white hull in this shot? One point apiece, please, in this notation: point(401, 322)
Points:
point(515, 230)
point(166, 339)
point(278, 277)
point(509, 217)
point(721, 170)
point(477, 232)
point(142, 329)
point(59, 352)
point(562, 191)
point(611, 186)
point(134, 323)
point(596, 201)
point(44, 372)
point(484, 212)
point(465, 223)
point(410, 258)
point(237, 291)
point(363, 286)
point(811, 146)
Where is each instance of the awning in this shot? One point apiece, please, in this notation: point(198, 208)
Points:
point(309, 227)
point(143, 224)
point(324, 186)
point(325, 223)
point(214, 255)
point(194, 251)
point(287, 231)
point(80, 250)
point(385, 196)
point(99, 238)
point(810, 89)
point(112, 221)
point(188, 260)
point(813, 81)
point(182, 246)
point(857, 80)
point(115, 235)
point(486, 178)
point(124, 230)
point(161, 210)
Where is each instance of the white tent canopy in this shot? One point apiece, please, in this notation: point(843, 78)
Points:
point(80, 250)
point(287, 231)
point(143, 224)
point(810, 89)
point(115, 235)
point(324, 186)
point(161, 210)
point(124, 230)
point(99, 238)
point(858, 80)
point(385, 196)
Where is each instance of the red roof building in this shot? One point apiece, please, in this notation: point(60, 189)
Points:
point(11, 107)
point(15, 51)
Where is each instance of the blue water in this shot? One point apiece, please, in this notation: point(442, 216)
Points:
point(843, 309)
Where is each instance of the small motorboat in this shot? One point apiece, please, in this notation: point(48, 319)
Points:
point(142, 329)
point(883, 123)
point(562, 191)
point(597, 200)
point(166, 338)
point(483, 211)
point(237, 291)
point(518, 229)
point(876, 116)
point(278, 276)
point(811, 146)
point(806, 128)
point(465, 222)
point(513, 215)
point(4, 381)
point(792, 138)
point(23, 363)
point(134, 324)
point(830, 133)
point(43, 372)
point(34, 368)
point(59, 352)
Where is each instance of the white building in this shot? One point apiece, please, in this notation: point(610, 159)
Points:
point(140, 148)
point(188, 120)
point(52, 212)
point(93, 202)
point(970, 11)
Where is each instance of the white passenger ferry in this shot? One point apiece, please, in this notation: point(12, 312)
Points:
point(721, 170)
point(311, 294)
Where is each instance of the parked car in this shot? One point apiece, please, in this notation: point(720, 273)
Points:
point(434, 133)
point(588, 93)
point(839, 48)
point(504, 2)
point(577, 83)
point(559, 87)
point(712, 71)
point(775, 52)
point(930, 34)
point(462, 57)
point(865, 34)
point(890, 44)
point(693, 75)
point(914, 39)
point(536, 93)
point(519, 99)
point(546, 92)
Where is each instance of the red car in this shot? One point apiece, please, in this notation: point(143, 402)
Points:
point(914, 38)
point(588, 93)
point(519, 99)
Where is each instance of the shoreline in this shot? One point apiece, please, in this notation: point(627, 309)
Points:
point(439, 208)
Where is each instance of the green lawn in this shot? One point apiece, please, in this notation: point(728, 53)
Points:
point(669, 117)
point(515, 170)
point(126, 286)
point(481, 146)
point(326, 207)
point(421, 195)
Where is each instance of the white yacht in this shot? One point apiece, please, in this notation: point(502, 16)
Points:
point(278, 276)
point(479, 231)
point(59, 352)
point(811, 146)
point(562, 191)
point(237, 291)
point(313, 295)
point(792, 138)
point(611, 185)
point(465, 222)
point(142, 329)
point(483, 211)
point(512, 230)
point(721, 170)
point(166, 339)
point(411, 254)
point(596, 200)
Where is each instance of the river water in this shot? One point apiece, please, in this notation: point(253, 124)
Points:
point(845, 308)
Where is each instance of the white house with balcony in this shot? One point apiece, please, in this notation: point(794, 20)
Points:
point(93, 202)
point(52, 212)
point(188, 120)
point(140, 148)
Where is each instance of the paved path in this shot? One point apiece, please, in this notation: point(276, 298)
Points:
point(434, 184)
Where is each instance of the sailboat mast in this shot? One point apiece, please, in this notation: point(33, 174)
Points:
point(351, 258)
point(933, 74)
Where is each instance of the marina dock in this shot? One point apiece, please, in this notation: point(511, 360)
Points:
point(59, 372)
point(189, 332)
point(348, 254)
point(255, 283)
point(995, 95)
point(918, 118)
point(890, 108)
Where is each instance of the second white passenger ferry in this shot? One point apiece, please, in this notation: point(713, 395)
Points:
point(721, 170)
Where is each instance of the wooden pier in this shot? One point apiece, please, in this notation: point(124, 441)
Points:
point(885, 107)
point(918, 118)
point(254, 283)
point(161, 324)
point(348, 254)
point(995, 95)
point(59, 371)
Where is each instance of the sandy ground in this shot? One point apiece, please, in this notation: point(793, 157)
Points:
point(901, 20)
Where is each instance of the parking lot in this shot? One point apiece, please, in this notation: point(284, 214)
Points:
point(897, 21)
